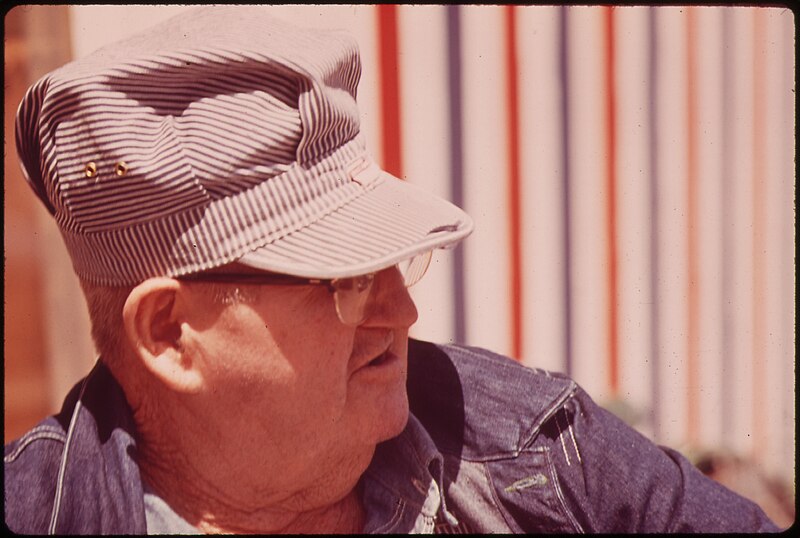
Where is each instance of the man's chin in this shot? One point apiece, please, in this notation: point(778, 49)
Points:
point(394, 420)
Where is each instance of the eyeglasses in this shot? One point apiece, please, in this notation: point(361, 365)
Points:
point(350, 294)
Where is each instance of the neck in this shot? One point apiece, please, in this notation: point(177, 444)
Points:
point(221, 490)
point(213, 509)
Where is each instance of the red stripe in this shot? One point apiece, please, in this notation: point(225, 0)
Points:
point(693, 301)
point(611, 203)
point(392, 154)
point(514, 191)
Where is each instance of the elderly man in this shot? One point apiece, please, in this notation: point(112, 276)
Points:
point(245, 264)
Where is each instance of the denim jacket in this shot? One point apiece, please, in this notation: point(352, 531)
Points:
point(520, 450)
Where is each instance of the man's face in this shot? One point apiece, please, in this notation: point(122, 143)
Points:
point(288, 377)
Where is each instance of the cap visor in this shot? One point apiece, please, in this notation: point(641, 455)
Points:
point(387, 224)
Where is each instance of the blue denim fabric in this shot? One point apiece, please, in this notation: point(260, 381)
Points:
point(76, 473)
point(529, 451)
point(491, 447)
point(403, 487)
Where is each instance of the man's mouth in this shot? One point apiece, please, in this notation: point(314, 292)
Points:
point(381, 359)
point(385, 362)
point(380, 344)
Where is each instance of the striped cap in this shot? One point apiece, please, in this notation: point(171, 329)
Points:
point(222, 134)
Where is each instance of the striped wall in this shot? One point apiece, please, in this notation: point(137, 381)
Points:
point(630, 171)
point(631, 175)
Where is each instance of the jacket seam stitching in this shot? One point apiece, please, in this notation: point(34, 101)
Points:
point(37, 434)
point(560, 495)
point(396, 516)
point(552, 411)
point(499, 506)
point(63, 465)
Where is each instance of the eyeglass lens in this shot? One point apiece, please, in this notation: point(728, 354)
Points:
point(351, 294)
point(415, 268)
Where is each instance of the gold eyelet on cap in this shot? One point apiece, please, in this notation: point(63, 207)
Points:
point(90, 169)
point(121, 168)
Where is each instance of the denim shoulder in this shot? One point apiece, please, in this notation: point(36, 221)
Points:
point(497, 424)
point(31, 465)
point(556, 460)
point(480, 403)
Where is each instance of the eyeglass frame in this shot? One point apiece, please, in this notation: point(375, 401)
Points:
point(333, 285)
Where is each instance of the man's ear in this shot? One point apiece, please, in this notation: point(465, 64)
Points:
point(154, 316)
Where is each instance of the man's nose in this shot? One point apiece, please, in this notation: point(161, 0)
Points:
point(390, 304)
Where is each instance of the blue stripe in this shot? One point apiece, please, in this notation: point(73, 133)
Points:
point(655, 278)
point(456, 164)
point(563, 65)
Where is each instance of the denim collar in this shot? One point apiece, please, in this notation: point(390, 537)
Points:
point(98, 487)
point(402, 489)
